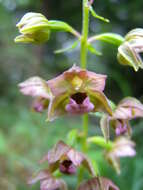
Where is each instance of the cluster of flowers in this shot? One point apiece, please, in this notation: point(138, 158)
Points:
point(66, 159)
point(78, 91)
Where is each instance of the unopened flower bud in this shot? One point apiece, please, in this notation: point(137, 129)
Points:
point(34, 28)
point(135, 33)
point(129, 51)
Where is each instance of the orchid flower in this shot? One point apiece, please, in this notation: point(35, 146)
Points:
point(66, 159)
point(76, 91)
point(127, 109)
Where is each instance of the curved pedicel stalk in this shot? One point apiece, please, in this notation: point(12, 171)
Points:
point(79, 91)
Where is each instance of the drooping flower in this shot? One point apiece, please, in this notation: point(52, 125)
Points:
point(122, 147)
point(76, 91)
point(129, 51)
point(34, 28)
point(47, 181)
point(98, 183)
point(127, 109)
point(66, 159)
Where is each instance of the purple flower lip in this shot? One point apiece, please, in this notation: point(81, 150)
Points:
point(121, 128)
point(79, 103)
point(38, 107)
point(67, 167)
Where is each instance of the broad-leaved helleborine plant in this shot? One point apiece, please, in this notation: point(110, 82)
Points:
point(78, 91)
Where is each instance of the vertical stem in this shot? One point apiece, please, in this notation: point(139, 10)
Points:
point(85, 130)
point(83, 61)
point(83, 64)
point(84, 38)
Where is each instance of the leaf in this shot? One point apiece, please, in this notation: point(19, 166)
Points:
point(94, 14)
point(93, 50)
point(69, 48)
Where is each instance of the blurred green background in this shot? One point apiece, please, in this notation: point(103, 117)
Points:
point(25, 136)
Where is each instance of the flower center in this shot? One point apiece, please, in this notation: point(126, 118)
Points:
point(79, 97)
point(67, 167)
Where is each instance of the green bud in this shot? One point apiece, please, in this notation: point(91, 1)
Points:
point(135, 33)
point(34, 28)
point(129, 51)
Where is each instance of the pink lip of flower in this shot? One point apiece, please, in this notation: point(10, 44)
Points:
point(121, 128)
point(76, 91)
point(79, 105)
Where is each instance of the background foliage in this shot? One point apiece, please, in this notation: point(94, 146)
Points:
point(24, 135)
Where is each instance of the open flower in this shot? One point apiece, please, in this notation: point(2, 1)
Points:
point(66, 159)
point(129, 51)
point(122, 147)
point(127, 109)
point(98, 183)
point(33, 28)
point(76, 91)
point(47, 181)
